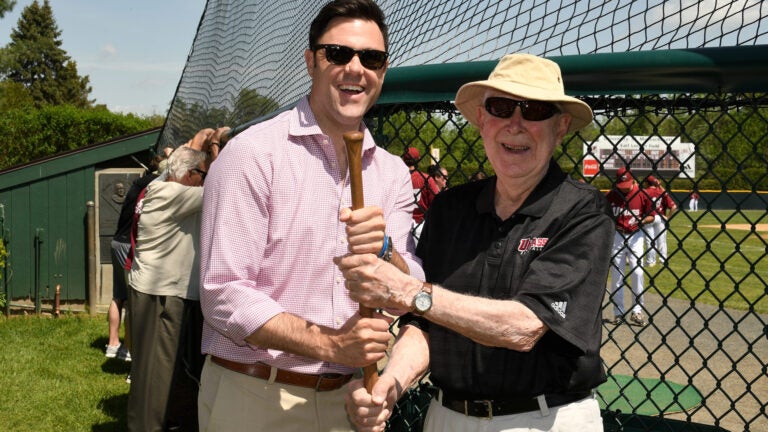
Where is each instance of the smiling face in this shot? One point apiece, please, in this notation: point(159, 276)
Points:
point(342, 94)
point(519, 150)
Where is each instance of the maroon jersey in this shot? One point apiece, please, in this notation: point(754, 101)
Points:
point(630, 209)
point(420, 188)
point(660, 199)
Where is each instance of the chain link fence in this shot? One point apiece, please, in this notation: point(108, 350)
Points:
point(700, 362)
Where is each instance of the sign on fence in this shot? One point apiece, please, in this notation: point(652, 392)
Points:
point(663, 155)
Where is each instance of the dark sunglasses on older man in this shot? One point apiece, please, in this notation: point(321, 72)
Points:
point(531, 110)
point(340, 55)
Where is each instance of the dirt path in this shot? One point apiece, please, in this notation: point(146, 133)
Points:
point(721, 352)
point(761, 229)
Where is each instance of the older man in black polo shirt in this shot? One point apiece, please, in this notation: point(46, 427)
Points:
point(510, 326)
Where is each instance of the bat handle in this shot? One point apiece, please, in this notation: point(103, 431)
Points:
point(354, 144)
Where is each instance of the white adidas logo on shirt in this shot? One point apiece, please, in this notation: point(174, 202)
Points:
point(559, 307)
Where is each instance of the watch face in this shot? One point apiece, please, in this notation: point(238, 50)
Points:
point(422, 302)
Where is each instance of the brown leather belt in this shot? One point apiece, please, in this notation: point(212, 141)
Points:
point(491, 408)
point(321, 383)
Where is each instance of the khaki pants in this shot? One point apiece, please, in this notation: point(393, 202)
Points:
point(581, 416)
point(230, 401)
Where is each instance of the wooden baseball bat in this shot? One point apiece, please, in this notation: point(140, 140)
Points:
point(354, 143)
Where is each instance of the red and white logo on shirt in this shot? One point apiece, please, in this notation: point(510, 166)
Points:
point(532, 244)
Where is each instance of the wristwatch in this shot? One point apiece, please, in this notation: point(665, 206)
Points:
point(422, 302)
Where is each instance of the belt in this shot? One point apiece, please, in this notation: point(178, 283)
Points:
point(320, 383)
point(490, 408)
point(623, 231)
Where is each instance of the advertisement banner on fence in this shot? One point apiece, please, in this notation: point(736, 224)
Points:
point(665, 156)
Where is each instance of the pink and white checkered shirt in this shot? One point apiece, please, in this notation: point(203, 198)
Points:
point(270, 231)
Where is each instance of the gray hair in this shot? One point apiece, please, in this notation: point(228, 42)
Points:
point(182, 160)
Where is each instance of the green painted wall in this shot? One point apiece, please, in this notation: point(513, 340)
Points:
point(44, 217)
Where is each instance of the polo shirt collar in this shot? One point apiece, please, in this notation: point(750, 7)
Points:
point(537, 203)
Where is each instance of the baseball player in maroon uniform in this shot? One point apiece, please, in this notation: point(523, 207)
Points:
point(656, 232)
point(420, 188)
point(631, 208)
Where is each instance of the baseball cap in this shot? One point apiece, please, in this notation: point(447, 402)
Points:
point(623, 178)
point(651, 180)
point(411, 156)
point(525, 76)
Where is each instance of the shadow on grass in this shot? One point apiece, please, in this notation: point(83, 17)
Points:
point(116, 367)
point(100, 343)
point(111, 366)
point(114, 407)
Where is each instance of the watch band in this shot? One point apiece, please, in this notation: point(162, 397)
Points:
point(388, 253)
point(427, 288)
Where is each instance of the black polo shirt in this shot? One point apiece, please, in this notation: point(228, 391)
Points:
point(552, 255)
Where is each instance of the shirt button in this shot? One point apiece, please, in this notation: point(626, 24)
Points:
point(497, 245)
point(339, 321)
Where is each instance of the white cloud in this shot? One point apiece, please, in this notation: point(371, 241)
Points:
point(140, 109)
point(108, 51)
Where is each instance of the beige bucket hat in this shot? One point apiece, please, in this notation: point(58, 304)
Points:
point(528, 77)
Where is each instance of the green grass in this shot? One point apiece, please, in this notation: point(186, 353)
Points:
point(716, 265)
point(54, 375)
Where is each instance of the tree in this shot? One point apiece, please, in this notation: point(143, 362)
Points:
point(13, 95)
point(250, 105)
point(30, 134)
point(6, 6)
point(34, 58)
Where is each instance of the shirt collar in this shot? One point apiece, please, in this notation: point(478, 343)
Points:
point(304, 123)
point(537, 203)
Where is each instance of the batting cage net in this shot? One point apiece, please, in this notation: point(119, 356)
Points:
point(247, 57)
point(678, 92)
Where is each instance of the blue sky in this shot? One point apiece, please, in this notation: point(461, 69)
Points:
point(134, 51)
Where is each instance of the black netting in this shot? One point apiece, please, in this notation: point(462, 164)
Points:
point(247, 57)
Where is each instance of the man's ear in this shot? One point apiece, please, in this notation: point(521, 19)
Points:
point(309, 59)
point(564, 122)
point(480, 116)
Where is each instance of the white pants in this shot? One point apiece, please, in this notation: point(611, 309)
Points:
point(655, 240)
point(627, 249)
point(582, 416)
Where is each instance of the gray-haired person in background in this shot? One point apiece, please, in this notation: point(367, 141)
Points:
point(165, 318)
point(509, 324)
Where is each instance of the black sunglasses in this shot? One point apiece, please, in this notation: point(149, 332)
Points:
point(201, 172)
point(340, 55)
point(531, 110)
